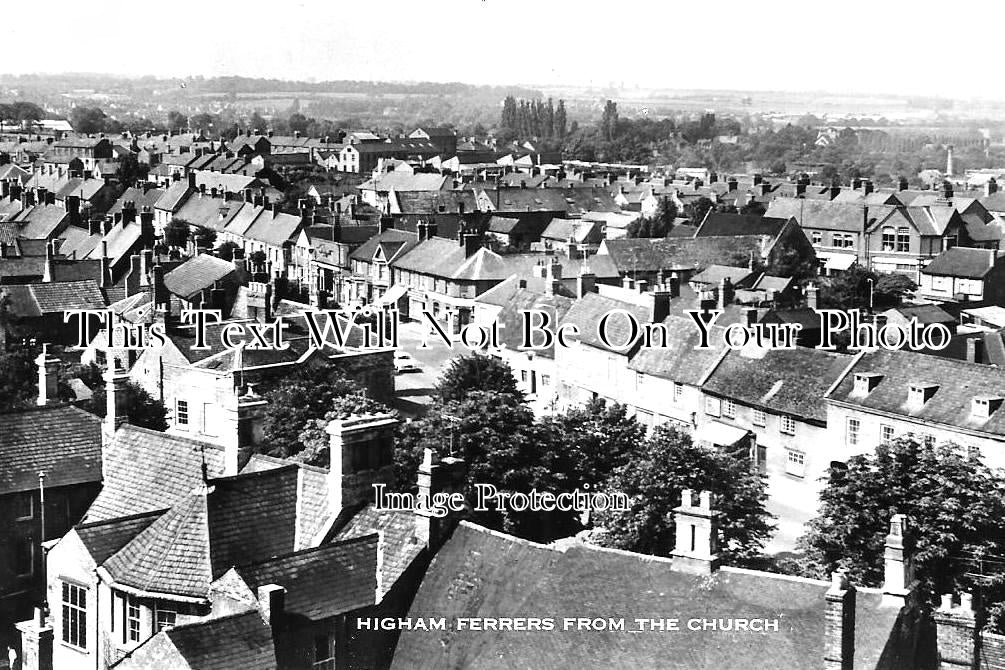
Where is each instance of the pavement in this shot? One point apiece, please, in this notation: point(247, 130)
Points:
point(415, 391)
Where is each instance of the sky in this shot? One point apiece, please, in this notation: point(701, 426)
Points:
point(876, 46)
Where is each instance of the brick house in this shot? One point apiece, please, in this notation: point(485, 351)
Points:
point(965, 275)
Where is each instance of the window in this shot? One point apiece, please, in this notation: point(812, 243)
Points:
point(712, 406)
point(75, 615)
point(24, 506)
point(523, 376)
point(545, 380)
point(851, 432)
point(795, 463)
point(132, 619)
point(889, 239)
point(928, 440)
point(903, 239)
point(24, 556)
point(816, 237)
point(181, 412)
point(678, 391)
point(164, 617)
point(759, 418)
point(324, 652)
point(787, 425)
point(638, 379)
point(729, 409)
point(885, 434)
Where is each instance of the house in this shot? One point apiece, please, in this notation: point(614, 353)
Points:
point(445, 139)
point(34, 313)
point(375, 192)
point(778, 395)
point(887, 394)
point(362, 157)
point(906, 237)
point(322, 255)
point(67, 477)
point(965, 275)
point(89, 150)
point(370, 272)
point(670, 608)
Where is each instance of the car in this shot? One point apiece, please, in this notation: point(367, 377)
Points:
point(403, 362)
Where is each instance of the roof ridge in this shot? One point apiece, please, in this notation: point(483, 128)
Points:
point(339, 543)
point(173, 436)
point(119, 519)
point(203, 622)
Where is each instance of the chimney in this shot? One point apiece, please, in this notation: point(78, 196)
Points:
point(725, 293)
point(359, 439)
point(835, 191)
point(811, 296)
point(586, 282)
point(659, 305)
point(867, 187)
point(472, 243)
point(628, 283)
point(758, 179)
point(839, 624)
point(191, 180)
point(271, 602)
point(732, 184)
point(674, 286)
point(260, 301)
point(94, 226)
point(696, 532)
point(106, 270)
point(991, 187)
point(898, 573)
point(553, 277)
point(949, 160)
point(902, 184)
point(36, 642)
point(72, 205)
point(47, 269)
point(115, 397)
point(975, 349)
point(956, 635)
point(48, 377)
point(947, 190)
point(436, 476)
point(135, 274)
point(146, 227)
point(161, 295)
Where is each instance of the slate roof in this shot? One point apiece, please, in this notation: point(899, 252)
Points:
point(419, 181)
point(963, 262)
point(713, 274)
point(429, 202)
point(925, 314)
point(146, 470)
point(587, 312)
point(827, 215)
point(61, 440)
point(197, 273)
point(510, 318)
point(563, 229)
point(140, 197)
point(103, 539)
point(652, 255)
point(34, 300)
point(958, 381)
point(480, 573)
point(275, 228)
point(232, 521)
point(41, 221)
point(680, 361)
point(324, 581)
point(241, 640)
point(401, 544)
point(717, 224)
point(780, 381)
point(171, 199)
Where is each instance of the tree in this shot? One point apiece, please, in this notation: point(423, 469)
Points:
point(226, 250)
point(18, 379)
point(309, 392)
point(560, 120)
point(596, 440)
point(177, 233)
point(665, 465)
point(314, 438)
point(201, 122)
point(851, 289)
point(176, 121)
point(953, 501)
point(609, 120)
point(88, 120)
point(891, 289)
point(476, 372)
point(697, 209)
point(130, 170)
point(205, 238)
point(142, 409)
point(657, 225)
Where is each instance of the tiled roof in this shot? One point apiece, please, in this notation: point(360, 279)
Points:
point(480, 573)
point(324, 581)
point(62, 441)
point(959, 382)
point(401, 544)
point(241, 640)
point(404, 239)
point(145, 470)
point(963, 262)
point(781, 381)
point(102, 539)
point(58, 296)
point(680, 361)
point(196, 274)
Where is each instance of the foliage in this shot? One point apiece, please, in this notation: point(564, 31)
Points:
point(307, 393)
point(88, 120)
point(257, 259)
point(850, 290)
point(24, 113)
point(226, 250)
point(176, 121)
point(314, 439)
point(205, 238)
point(696, 210)
point(954, 504)
point(531, 118)
point(18, 379)
point(130, 170)
point(657, 225)
point(665, 465)
point(177, 233)
point(476, 372)
point(142, 409)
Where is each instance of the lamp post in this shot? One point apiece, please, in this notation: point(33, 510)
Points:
point(870, 280)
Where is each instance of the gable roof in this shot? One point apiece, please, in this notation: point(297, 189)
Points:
point(402, 545)
point(654, 254)
point(827, 215)
point(197, 273)
point(481, 573)
point(102, 539)
point(680, 361)
point(718, 224)
point(34, 300)
point(27, 438)
point(587, 312)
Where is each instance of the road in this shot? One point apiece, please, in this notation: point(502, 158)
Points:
point(414, 391)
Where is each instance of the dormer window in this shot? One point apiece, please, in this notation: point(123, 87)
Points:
point(865, 382)
point(984, 406)
point(921, 393)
